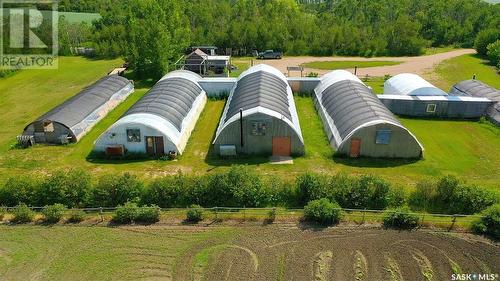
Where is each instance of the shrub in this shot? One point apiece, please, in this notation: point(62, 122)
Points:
point(3, 211)
point(396, 197)
point(323, 211)
point(22, 214)
point(148, 214)
point(490, 222)
point(311, 187)
point(400, 218)
point(484, 38)
point(271, 215)
point(194, 214)
point(18, 190)
point(53, 213)
point(246, 187)
point(422, 198)
point(494, 52)
point(69, 187)
point(113, 190)
point(126, 213)
point(76, 216)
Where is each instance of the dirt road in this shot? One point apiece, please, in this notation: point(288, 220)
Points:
point(418, 65)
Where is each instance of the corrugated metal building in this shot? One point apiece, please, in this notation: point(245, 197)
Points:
point(71, 120)
point(260, 116)
point(476, 88)
point(410, 95)
point(357, 123)
point(161, 121)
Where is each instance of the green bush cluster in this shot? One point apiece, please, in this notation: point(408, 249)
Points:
point(401, 217)
point(53, 213)
point(130, 212)
point(241, 186)
point(194, 213)
point(449, 195)
point(490, 222)
point(76, 216)
point(323, 212)
point(22, 214)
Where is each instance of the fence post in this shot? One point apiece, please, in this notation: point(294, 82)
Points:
point(363, 219)
point(216, 215)
point(100, 214)
point(454, 219)
point(244, 214)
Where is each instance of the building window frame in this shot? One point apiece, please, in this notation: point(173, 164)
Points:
point(134, 135)
point(431, 108)
point(383, 136)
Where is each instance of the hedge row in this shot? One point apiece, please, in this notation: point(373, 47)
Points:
point(242, 187)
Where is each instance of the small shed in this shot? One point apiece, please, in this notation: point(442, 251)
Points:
point(357, 124)
point(199, 62)
point(71, 120)
point(159, 123)
point(260, 116)
point(476, 88)
point(409, 84)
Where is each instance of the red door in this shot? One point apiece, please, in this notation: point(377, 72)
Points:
point(282, 146)
point(355, 148)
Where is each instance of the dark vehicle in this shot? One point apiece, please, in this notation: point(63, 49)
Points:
point(269, 54)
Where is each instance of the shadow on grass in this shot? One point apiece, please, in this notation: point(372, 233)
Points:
point(374, 162)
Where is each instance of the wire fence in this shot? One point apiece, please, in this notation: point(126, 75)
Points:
point(358, 216)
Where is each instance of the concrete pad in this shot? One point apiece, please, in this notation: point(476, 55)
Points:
point(281, 160)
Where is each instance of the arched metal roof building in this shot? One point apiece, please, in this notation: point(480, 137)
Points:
point(260, 116)
point(71, 120)
point(411, 85)
point(161, 121)
point(476, 88)
point(357, 123)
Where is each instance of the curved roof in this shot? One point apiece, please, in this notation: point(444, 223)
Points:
point(78, 107)
point(411, 85)
point(171, 98)
point(475, 88)
point(334, 77)
point(263, 89)
point(351, 105)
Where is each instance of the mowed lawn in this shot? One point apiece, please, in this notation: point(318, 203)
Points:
point(468, 149)
point(101, 253)
point(331, 65)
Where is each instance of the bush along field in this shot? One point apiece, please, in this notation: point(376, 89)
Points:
point(321, 194)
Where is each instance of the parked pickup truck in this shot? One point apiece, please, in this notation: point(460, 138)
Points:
point(269, 54)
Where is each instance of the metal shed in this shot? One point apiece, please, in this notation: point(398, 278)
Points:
point(357, 123)
point(161, 121)
point(476, 88)
point(71, 120)
point(260, 116)
point(410, 85)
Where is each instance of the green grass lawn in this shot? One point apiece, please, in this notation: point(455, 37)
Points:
point(99, 253)
point(331, 65)
point(437, 50)
point(468, 149)
point(464, 67)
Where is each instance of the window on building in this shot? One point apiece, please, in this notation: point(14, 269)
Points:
point(259, 128)
point(48, 127)
point(431, 108)
point(133, 135)
point(383, 137)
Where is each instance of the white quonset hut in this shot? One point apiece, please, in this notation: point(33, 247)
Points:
point(409, 84)
point(260, 116)
point(161, 121)
point(410, 95)
point(357, 123)
point(71, 120)
point(477, 89)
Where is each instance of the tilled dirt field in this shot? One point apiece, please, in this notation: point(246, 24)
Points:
point(291, 253)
